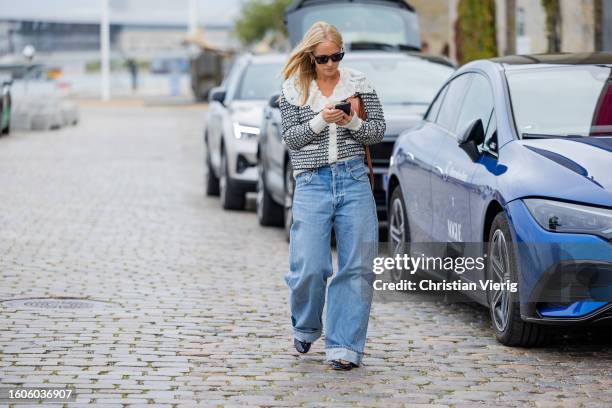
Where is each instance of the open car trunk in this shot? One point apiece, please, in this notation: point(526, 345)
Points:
point(364, 24)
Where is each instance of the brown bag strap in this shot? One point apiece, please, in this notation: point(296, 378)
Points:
point(363, 115)
point(369, 160)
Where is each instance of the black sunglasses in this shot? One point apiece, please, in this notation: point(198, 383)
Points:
point(322, 59)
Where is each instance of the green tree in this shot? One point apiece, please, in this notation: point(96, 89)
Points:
point(257, 17)
point(597, 24)
point(553, 24)
point(510, 27)
point(475, 30)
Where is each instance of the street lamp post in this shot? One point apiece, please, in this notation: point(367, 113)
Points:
point(28, 52)
point(192, 19)
point(105, 51)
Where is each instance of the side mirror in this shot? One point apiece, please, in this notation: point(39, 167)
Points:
point(471, 137)
point(217, 94)
point(273, 102)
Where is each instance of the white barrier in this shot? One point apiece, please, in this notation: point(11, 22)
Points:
point(43, 113)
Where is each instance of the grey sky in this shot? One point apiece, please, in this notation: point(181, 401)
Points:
point(123, 11)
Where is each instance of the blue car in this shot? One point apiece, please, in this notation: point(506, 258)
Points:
point(513, 163)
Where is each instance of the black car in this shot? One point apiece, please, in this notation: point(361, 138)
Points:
point(405, 83)
point(386, 24)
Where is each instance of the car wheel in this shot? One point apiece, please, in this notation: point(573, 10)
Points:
point(231, 197)
point(399, 234)
point(504, 305)
point(269, 213)
point(289, 190)
point(4, 105)
point(210, 180)
point(7, 129)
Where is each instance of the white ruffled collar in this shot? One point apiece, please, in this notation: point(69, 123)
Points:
point(351, 82)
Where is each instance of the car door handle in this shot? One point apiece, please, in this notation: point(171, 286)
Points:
point(402, 155)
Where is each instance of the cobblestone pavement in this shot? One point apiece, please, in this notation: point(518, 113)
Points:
point(113, 210)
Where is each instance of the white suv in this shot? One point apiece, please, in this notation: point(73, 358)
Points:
point(232, 126)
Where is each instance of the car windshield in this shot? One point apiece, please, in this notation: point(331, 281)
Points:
point(366, 22)
point(402, 81)
point(562, 101)
point(259, 81)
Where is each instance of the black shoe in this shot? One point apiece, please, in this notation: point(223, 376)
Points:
point(301, 346)
point(337, 365)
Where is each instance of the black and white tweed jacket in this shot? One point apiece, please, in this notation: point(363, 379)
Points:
point(314, 143)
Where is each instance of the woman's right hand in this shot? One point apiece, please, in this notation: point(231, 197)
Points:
point(332, 115)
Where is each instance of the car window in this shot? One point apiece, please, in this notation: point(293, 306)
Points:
point(233, 78)
point(365, 22)
point(259, 81)
point(452, 102)
point(490, 141)
point(478, 103)
point(565, 100)
point(432, 114)
point(231, 72)
point(422, 79)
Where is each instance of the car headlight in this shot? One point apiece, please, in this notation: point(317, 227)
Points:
point(245, 132)
point(558, 216)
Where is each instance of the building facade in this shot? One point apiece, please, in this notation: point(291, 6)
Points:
point(577, 26)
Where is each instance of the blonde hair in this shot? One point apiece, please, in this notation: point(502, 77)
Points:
point(301, 62)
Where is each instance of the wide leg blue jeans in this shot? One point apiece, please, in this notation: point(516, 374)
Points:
point(339, 196)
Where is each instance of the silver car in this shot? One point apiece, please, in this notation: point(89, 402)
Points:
point(232, 126)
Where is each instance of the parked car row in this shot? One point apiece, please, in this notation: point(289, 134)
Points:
point(244, 148)
point(508, 159)
point(511, 151)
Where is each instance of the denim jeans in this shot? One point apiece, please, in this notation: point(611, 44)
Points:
point(339, 196)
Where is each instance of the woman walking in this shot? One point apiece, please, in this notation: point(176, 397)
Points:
point(332, 189)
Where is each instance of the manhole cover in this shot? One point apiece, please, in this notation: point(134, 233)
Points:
point(55, 304)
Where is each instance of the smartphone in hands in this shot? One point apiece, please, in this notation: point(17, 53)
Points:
point(344, 106)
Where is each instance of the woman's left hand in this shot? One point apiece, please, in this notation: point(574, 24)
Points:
point(345, 119)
